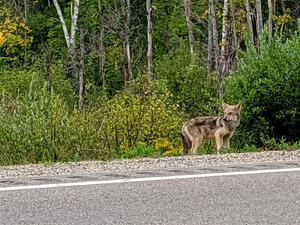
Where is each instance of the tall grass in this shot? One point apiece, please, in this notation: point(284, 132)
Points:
point(39, 127)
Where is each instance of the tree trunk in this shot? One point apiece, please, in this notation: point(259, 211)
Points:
point(74, 18)
point(25, 10)
point(270, 20)
point(70, 38)
point(249, 21)
point(225, 28)
point(259, 21)
point(149, 35)
point(102, 80)
point(215, 36)
point(125, 8)
point(283, 5)
point(128, 52)
point(235, 43)
point(210, 42)
point(63, 23)
point(224, 47)
point(81, 70)
point(188, 15)
point(102, 58)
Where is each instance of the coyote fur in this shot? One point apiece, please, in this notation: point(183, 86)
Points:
point(219, 127)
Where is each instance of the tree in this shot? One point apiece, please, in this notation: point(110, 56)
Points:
point(101, 43)
point(249, 21)
point(149, 35)
point(15, 36)
point(259, 21)
point(213, 47)
point(270, 20)
point(81, 69)
point(69, 37)
point(188, 14)
point(224, 67)
point(125, 8)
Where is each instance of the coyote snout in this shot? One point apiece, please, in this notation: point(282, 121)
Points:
point(219, 127)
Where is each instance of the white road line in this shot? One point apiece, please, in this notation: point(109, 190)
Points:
point(144, 179)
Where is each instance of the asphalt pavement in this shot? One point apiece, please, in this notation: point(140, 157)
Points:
point(228, 195)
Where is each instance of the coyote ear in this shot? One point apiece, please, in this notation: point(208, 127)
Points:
point(239, 106)
point(225, 106)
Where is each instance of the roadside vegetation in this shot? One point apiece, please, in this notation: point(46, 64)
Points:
point(96, 101)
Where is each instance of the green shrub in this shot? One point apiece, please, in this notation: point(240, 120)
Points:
point(129, 119)
point(39, 127)
point(16, 82)
point(268, 84)
point(192, 87)
point(140, 150)
point(34, 129)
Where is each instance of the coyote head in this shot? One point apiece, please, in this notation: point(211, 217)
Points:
point(232, 113)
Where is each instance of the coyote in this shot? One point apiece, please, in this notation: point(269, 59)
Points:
point(219, 127)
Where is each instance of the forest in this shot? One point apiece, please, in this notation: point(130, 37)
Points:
point(115, 79)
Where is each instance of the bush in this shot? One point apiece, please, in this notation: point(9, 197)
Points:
point(128, 119)
point(268, 84)
point(16, 82)
point(34, 129)
point(192, 87)
point(41, 128)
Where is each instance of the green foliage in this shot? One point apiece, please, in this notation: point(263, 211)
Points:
point(34, 129)
point(145, 118)
point(192, 87)
point(16, 82)
point(40, 127)
point(167, 148)
point(131, 118)
point(15, 37)
point(140, 150)
point(269, 87)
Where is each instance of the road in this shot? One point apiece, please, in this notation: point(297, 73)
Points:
point(269, 194)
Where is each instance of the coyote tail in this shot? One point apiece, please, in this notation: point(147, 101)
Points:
point(186, 141)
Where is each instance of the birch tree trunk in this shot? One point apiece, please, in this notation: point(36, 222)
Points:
point(81, 70)
point(249, 21)
point(225, 28)
point(224, 47)
point(63, 23)
point(70, 38)
point(149, 36)
point(270, 20)
point(128, 52)
point(259, 21)
point(188, 15)
point(74, 18)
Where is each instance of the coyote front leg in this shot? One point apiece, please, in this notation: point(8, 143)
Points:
point(219, 140)
point(196, 143)
point(226, 139)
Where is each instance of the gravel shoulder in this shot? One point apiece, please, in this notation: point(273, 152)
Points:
point(147, 164)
